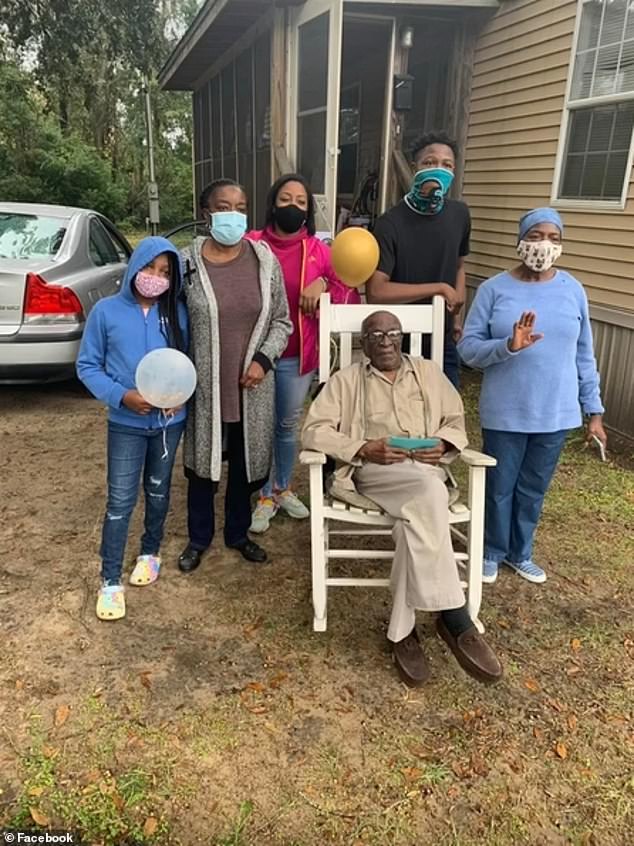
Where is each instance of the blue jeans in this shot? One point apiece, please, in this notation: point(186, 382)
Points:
point(516, 488)
point(451, 361)
point(290, 393)
point(131, 453)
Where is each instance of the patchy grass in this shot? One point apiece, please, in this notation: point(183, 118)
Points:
point(213, 715)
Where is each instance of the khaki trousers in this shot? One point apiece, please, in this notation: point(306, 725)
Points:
point(424, 573)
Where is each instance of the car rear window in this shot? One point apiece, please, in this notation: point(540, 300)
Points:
point(28, 236)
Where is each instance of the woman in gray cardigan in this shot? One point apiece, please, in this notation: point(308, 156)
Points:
point(239, 327)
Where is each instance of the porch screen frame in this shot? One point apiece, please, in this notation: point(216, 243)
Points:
point(326, 199)
point(223, 78)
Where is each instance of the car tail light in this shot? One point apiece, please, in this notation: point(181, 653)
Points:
point(44, 302)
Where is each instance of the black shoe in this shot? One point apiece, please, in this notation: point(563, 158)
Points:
point(251, 551)
point(189, 559)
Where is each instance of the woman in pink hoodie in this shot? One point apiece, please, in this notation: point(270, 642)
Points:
point(305, 260)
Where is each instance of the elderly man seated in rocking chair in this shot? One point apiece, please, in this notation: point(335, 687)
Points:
point(360, 409)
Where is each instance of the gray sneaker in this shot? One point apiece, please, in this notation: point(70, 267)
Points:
point(292, 505)
point(264, 512)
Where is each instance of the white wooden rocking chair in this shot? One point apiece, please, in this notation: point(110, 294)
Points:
point(341, 322)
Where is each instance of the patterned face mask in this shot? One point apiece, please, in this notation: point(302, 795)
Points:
point(149, 285)
point(539, 255)
point(432, 202)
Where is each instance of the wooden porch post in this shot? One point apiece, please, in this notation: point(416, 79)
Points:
point(279, 82)
point(400, 172)
point(461, 79)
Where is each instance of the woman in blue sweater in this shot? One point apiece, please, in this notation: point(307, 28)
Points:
point(145, 315)
point(529, 331)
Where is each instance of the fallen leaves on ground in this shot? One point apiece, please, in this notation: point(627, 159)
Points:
point(249, 630)
point(561, 750)
point(411, 773)
point(532, 685)
point(38, 817)
point(61, 715)
point(150, 826)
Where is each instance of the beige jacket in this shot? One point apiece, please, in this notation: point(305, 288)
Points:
point(335, 426)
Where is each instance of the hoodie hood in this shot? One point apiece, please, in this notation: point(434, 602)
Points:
point(119, 334)
point(146, 251)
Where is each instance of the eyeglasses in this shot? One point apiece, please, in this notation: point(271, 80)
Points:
point(376, 338)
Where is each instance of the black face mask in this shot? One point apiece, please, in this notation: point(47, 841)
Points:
point(290, 219)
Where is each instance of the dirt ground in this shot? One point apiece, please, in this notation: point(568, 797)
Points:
point(213, 715)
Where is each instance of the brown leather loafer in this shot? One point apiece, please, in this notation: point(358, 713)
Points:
point(473, 653)
point(410, 660)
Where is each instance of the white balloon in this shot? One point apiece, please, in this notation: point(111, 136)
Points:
point(165, 378)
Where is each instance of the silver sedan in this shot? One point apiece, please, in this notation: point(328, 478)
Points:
point(55, 263)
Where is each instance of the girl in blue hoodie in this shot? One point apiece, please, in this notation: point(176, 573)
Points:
point(147, 314)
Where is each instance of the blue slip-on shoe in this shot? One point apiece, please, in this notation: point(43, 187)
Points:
point(528, 570)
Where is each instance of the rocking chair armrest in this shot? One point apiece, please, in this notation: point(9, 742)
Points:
point(311, 456)
point(477, 459)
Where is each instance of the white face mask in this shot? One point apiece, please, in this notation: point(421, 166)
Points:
point(538, 255)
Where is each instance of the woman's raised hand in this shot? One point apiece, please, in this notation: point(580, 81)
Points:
point(523, 335)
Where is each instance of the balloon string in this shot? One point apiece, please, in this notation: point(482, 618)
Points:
point(164, 425)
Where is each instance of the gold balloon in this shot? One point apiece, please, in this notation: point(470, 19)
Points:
point(355, 256)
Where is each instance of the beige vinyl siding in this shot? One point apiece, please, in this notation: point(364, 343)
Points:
point(517, 102)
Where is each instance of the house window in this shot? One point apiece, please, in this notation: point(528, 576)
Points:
point(596, 159)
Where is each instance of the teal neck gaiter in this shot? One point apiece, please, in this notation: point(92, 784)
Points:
point(434, 201)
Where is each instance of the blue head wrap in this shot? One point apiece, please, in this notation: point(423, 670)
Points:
point(537, 216)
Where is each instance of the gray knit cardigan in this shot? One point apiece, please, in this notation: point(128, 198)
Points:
point(203, 434)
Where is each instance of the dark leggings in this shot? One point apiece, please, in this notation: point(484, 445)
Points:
point(201, 518)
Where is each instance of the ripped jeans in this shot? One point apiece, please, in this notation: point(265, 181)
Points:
point(133, 453)
point(290, 394)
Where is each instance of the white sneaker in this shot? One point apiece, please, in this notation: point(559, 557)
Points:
point(489, 571)
point(292, 505)
point(264, 512)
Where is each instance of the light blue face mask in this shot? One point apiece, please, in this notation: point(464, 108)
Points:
point(228, 228)
point(433, 202)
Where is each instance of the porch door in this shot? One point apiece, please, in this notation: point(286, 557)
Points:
point(316, 39)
